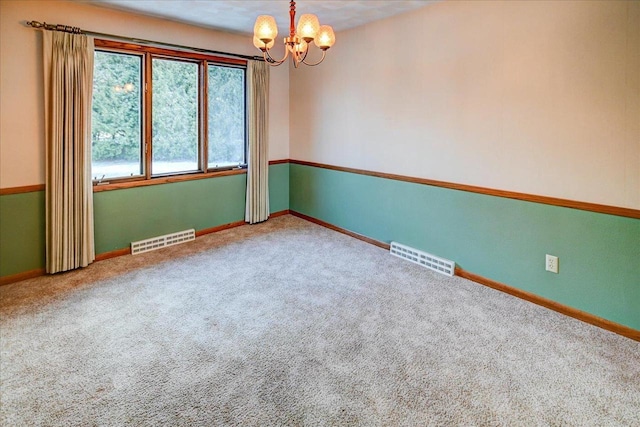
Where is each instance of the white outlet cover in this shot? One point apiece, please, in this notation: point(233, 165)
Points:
point(551, 263)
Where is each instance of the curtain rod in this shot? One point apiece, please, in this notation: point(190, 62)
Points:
point(77, 30)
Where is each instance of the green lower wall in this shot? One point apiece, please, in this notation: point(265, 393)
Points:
point(501, 239)
point(22, 231)
point(123, 216)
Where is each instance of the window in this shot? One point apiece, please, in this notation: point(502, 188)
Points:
point(158, 113)
point(227, 128)
point(116, 131)
point(174, 116)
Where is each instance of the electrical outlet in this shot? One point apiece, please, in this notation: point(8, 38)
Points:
point(551, 263)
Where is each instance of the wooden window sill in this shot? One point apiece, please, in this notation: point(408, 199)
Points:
point(166, 180)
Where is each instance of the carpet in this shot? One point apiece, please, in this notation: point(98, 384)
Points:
point(289, 323)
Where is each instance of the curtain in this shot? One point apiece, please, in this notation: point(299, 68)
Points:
point(257, 206)
point(68, 85)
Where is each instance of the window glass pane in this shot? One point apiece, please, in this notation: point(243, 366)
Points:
point(116, 135)
point(226, 116)
point(174, 117)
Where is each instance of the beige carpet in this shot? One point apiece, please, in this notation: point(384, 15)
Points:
point(288, 323)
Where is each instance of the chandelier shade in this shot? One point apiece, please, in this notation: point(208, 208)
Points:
point(308, 27)
point(265, 28)
point(326, 38)
point(298, 43)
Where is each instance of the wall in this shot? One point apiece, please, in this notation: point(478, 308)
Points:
point(121, 215)
point(21, 81)
point(22, 232)
point(536, 97)
point(529, 96)
point(199, 204)
point(498, 238)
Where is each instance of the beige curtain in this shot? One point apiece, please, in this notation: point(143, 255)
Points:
point(257, 206)
point(68, 85)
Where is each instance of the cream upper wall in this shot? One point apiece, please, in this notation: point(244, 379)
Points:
point(528, 96)
point(21, 86)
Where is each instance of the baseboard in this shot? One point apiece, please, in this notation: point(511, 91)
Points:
point(219, 228)
point(113, 254)
point(608, 325)
point(617, 328)
point(127, 251)
point(5, 280)
point(583, 316)
point(375, 242)
point(280, 213)
point(235, 224)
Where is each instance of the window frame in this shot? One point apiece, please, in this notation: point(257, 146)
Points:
point(245, 106)
point(143, 114)
point(148, 53)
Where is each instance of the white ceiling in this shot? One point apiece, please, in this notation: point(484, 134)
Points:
point(239, 15)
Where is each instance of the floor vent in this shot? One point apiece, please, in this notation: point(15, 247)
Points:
point(432, 262)
point(162, 241)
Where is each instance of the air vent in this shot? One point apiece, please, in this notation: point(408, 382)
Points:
point(162, 241)
point(432, 262)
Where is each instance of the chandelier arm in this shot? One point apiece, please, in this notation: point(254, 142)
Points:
point(299, 59)
point(324, 53)
point(267, 57)
point(306, 52)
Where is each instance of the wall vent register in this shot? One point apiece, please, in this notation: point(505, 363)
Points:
point(162, 241)
point(432, 262)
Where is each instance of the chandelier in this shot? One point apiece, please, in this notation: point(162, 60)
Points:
point(298, 43)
